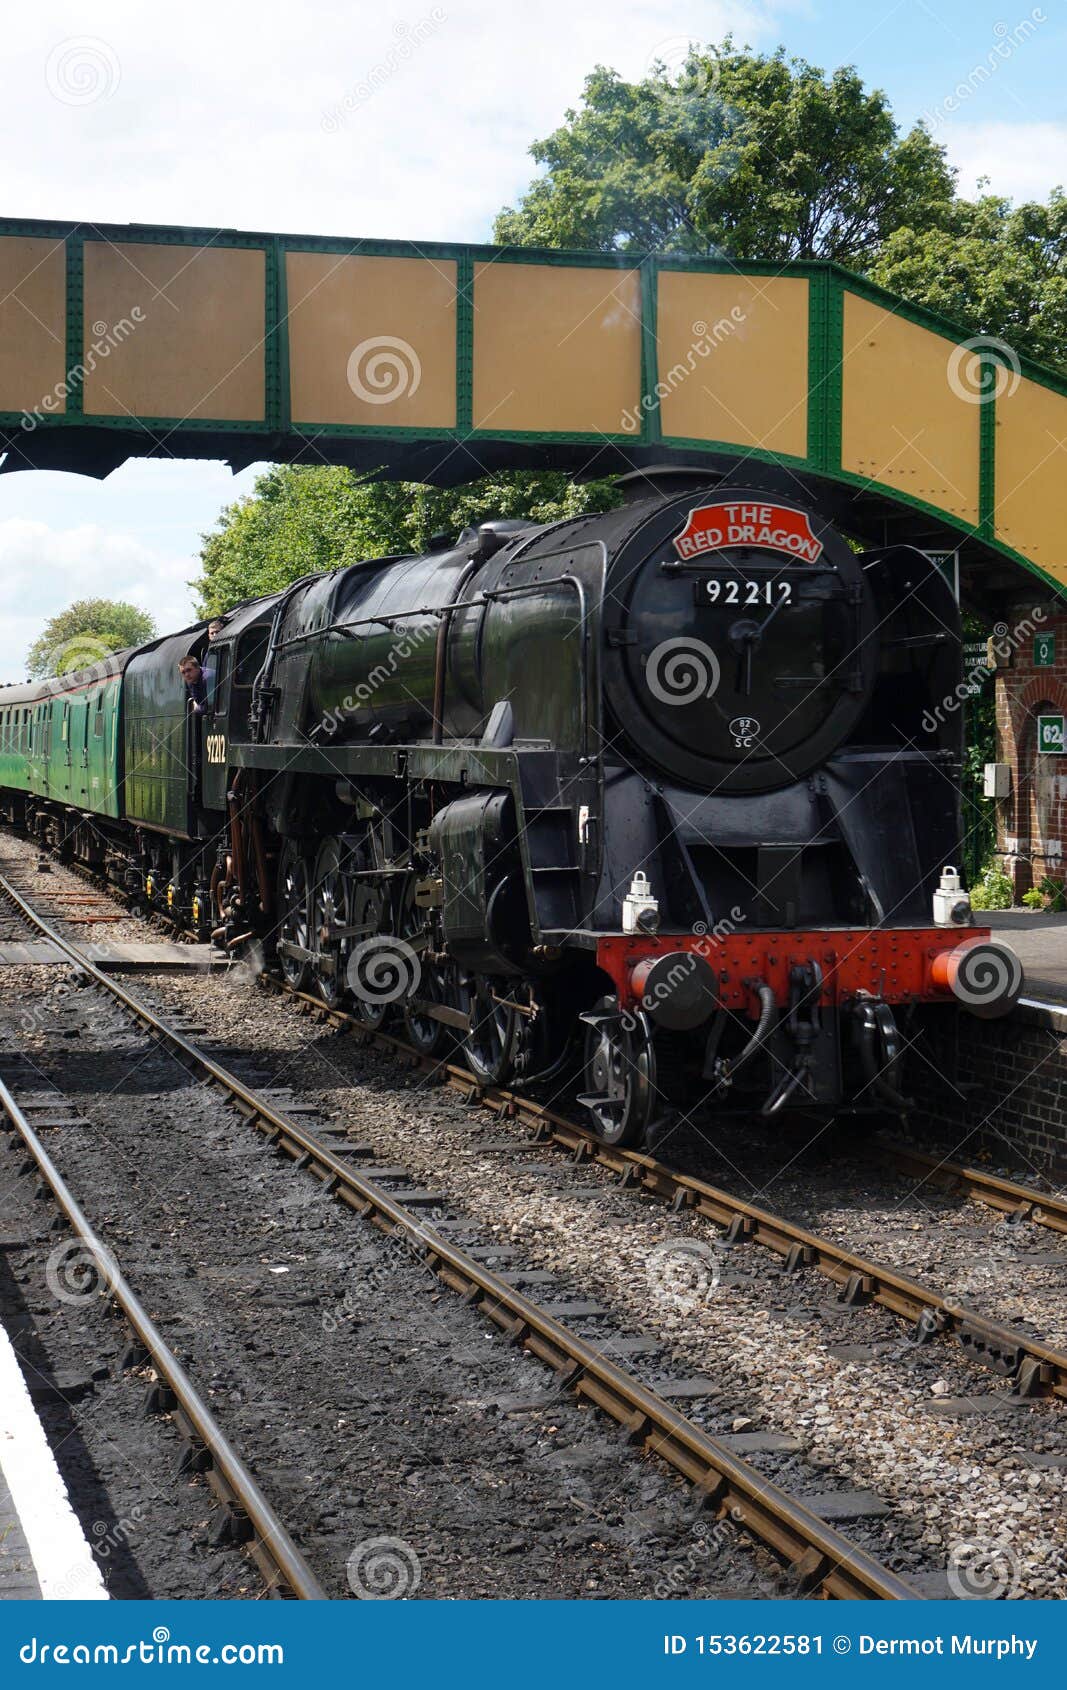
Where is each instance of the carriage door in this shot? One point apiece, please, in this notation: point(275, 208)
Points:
point(83, 751)
point(67, 774)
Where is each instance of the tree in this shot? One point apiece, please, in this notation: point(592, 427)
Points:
point(300, 519)
point(756, 155)
point(87, 631)
point(995, 268)
point(752, 154)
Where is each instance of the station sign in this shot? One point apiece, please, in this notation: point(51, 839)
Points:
point(1044, 651)
point(1050, 739)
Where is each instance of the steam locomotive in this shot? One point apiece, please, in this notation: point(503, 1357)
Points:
point(645, 802)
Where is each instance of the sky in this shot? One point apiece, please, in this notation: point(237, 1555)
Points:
point(405, 118)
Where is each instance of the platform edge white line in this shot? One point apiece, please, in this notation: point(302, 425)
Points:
point(63, 1561)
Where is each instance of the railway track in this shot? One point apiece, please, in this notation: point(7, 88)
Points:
point(1035, 1369)
point(253, 1521)
point(1020, 1202)
point(821, 1559)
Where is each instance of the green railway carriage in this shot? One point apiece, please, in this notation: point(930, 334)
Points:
point(110, 767)
point(161, 739)
point(61, 743)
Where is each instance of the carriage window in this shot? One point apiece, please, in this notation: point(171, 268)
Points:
point(66, 723)
point(98, 719)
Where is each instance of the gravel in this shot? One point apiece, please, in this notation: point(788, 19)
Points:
point(405, 1444)
point(960, 1478)
point(970, 1477)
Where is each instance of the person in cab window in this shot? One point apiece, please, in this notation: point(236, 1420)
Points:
point(196, 686)
point(208, 668)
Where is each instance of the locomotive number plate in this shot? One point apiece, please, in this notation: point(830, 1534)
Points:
point(713, 590)
point(215, 748)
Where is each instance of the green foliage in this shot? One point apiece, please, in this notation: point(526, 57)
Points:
point(992, 267)
point(993, 891)
point(979, 748)
point(303, 519)
point(762, 156)
point(1034, 900)
point(1053, 892)
point(86, 632)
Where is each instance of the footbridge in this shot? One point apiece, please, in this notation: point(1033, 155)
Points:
point(438, 363)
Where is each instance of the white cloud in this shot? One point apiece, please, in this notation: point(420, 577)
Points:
point(1023, 161)
point(408, 118)
point(44, 568)
point(402, 118)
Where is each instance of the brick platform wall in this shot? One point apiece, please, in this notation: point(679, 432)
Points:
point(1032, 822)
point(1017, 1110)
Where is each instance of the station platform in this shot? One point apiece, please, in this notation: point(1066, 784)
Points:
point(43, 1551)
point(1039, 939)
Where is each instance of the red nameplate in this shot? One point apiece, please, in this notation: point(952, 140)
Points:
point(774, 528)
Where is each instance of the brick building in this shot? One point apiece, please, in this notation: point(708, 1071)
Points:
point(1031, 713)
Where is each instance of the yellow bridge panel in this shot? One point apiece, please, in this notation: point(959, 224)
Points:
point(733, 359)
point(1030, 474)
point(372, 340)
point(442, 363)
point(556, 349)
point(33, 318)
point(908, 420)
point(174, 331)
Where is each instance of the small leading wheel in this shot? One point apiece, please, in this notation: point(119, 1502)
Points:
point(294, 902)
point(329, 910)
point(491, 1043)
point(620, 1073)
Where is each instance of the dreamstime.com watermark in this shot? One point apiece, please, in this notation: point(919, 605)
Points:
point(1004, 641)
point(709, 1540)
point(384, 368)
point(1007, 42)
point(706, 339)
point(683, 1272)
point(158, 1650)
point(982, 369)
point(383, 970)
point(409, 38)
point(383, 1569)
point(361, 695)
point(685, 964)
point(405, 1246)
point(682, 670)
point(85, 654)
point(106, 337)
point(77, 1271)
point(82, 71)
